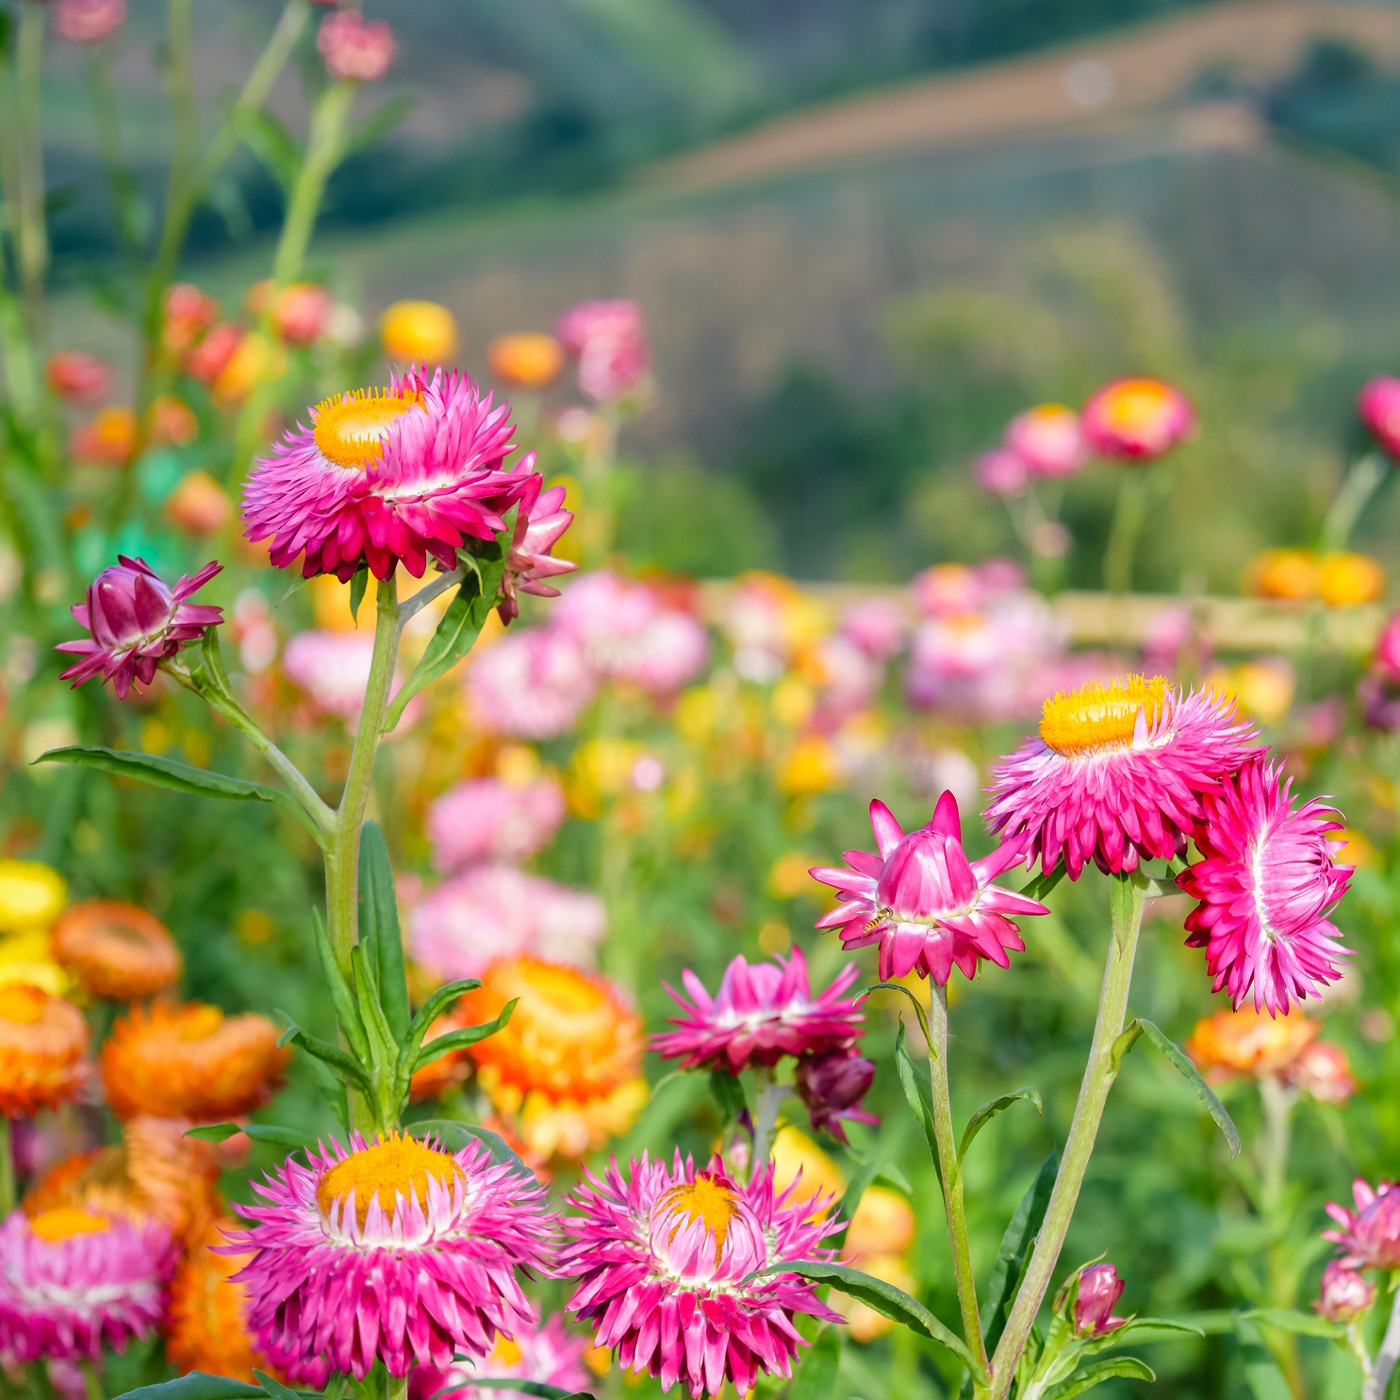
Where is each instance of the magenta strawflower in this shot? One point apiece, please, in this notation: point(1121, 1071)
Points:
point(386, 476)
point(1378, 405)
point(1369, 1236)
point(532, 684)
point(73, 1282)
point(1137, 420)
point(1099, 1291)
point(832, 1087)
point(927, 906)
point(762, 1012)
point(487, 819)
point(663, 1259)
point(137, 621)
point(395, 1251)
point(1345, 1294)
point(1266, 881)
point(540, 522)
point(549, 1355)
point(1116, 774)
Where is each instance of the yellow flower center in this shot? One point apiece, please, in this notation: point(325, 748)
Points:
point(350, 428)
point(703, 1199)
point(506, 1352)
point(1101, 716)
point(198, 1023)
point(64, 1222)
point(396, 1166)
point(1137, 405)
point(22, 1004)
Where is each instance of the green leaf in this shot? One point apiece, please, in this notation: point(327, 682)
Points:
point(274, 1388)
point(460, 626)
point(383, 1053)
point(1140, 1330)
point(347, 1012)
point(170, 773)
point(196, 1386)
point(455, 1136)
point(728, 1091)
point(379, 929)
point(1039, 887)
point(345, 1066)
point(820, 1368)
point(1016, 1244)
point(359, 581)
point(886, 1299)
point(988, 1111)
point(913, 1001)
point(380, 123)
point(436, 1005)
point(1261, 1371)
point(275, 146)
point(1096, 1372)
point(461, 1039)
point(259, 1132)
point(1181, 1062)
point(918, 1091)
point(1303, 1324)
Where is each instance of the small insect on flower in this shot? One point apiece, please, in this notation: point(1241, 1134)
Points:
point(1369, 1236)
point(923, 902)
point(137, 621)
point(43, 1040)
point(664, 1260)
point(394, 1251)
point(116, 950)
point(1116, 774)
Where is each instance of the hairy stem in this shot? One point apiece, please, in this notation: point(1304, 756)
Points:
point(950, 1173)
point(1378, 1382)
point(1126, 903)
point(765, 1120)
point(324, 149)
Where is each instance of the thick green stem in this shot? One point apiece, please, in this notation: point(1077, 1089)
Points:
point(950, 1173)
point(1129, 516)
point(1367, 475)
point(92, 1382)
point(765, 1120)
point(7, 1169)
point(395, 1387)
point(1277, 1100)
point(1126, 902)
point(323, 152)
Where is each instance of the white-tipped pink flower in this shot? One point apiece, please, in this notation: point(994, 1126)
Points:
point(548, 1355)
point(532, 684)
point(919, 898)
point(488, 819)
point(137, 621)
point(1049, 439)
point(1369, 1236)
point(1267, 882)
point(664, 1260)
point(1345, 1294)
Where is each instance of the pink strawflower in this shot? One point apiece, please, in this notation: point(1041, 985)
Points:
point(1369, 1236)
point(876, 625)
point(530, 685)
point(1116, 774)
point(78, 377)
point(384, 477)
point(540, 522)
point(1099, 1291)
point(1322, 1070)
point(333, 668)
point(1049, 440)
point(832, 1088)
point(1345, 1294)
point(89, 21)
point(1385, 660)
point(395, 1251)
point(496, 911)
point(1378, 405)
point(848, 679)
point(762, 1012)
point(1266, 881)
point(1002, 472)
point(923, 902)
point(549, 1355)
point(609, 342)
point(354, 47)
point(663, 1259)
point(487, 819)
point(137, 621)
point(73, 1283)
point(1137, 420)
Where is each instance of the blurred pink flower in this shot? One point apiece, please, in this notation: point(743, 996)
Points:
point(77, 376)
point(88, 21)
point(1345, 1294)
point(332, 669)
point(876, 625)
point(1002, 472)
point(609, 342)
point(1049, 440)
point(547, 1353)
point(1385, 660)
point(1322, 1070)
point(1378, 405)
point(1137, 420)
point(531, 684)
point(354, 47)
point(487, 819)
point(1369, 1236)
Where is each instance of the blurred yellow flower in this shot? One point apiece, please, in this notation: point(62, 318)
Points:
point(1357, 849)
point(330, 604)
point(811, 766)
point(1289, 574)
point(255, 361)
point(418, 332)
point(254, 926)
point(793, 702)
point(793, 1153)
point(517, 764)
point(1346, 580)
point(695, 714)
point(882, 1224)
point(774, 936)
point(788, 877)
point(28, 957)
point(1263, 688)
point(32, 895)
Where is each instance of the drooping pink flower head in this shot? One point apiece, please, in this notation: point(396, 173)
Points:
point(1099, 1291)
point(1369, 1236)
point(354, 47)
point(386, 476)
point(1345, 1294)
point(1049, 440)
point(1116, 773)
point(1378, 405)
point(762, 1012)
point(832, 1087)
point(548, 1354)
point(137, 620)
point(1267, 881)
point(540, 522)
point(488, 819)
point(89, 21)
point(73, 1282)
point(1137, 420)
point(395, 1251)
point(663, 1259)
point(923, 902)
point(532, 684)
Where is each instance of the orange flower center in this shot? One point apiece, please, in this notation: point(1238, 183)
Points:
point(22, 1004)
point(396, 1166)
point(64, 1222)
point(198, 1022)
point(1096, 717)
point(705, 1200)
point(1137, 405)
point(350, 429)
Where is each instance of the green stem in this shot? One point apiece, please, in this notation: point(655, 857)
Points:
point(1277, 1101)
point(950, 1174)
point(596, 471)
point(1367, 475)
point(395, 1387)
point(324, 149)
point(765, 1120)
point(33, 235)
point(1129, 516)
point(92, 1382)
point(1126, 903)
point(7, 1169)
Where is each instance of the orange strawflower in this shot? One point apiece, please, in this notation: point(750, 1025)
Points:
point(43, 1040)
point(565, 1072)
point(206, 1321)
point(1249, 1043)
point(190, 1061)
point(116, 950)
point(1346, 580)
point(1288, 574)
point(526, 361)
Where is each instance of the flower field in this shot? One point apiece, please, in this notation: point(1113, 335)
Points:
point(441, 954)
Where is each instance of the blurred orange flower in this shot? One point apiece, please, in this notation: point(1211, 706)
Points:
point(418, 333)
point(116, 950)
point(205, 1322)
point(1249, 1043)
point(42, 1043)
point(526, 361)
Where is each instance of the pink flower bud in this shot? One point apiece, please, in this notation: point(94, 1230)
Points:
point(1345, 1294)
point(1099, 1291)
point(832, 1087)
point(1137, 420)
point(354, 47)
point(1378, 405)
point(1048, 439)
point(89, 21)
point(1369, 1236)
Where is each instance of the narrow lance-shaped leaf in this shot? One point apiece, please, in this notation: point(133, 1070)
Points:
point(1096, 1372)
point(453, 1137)
point(988, 1111)
point(461, 1039)
point(919, 1093)
point(196, 1386)
point(347, 1011)
point(436, 1005)
point(379, 928)
point(259, 1132)
point(1015, 1246)
point(1181, 1062)
point(346, 1067)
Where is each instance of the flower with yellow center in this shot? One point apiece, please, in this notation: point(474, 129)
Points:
point(1116, 773)
point(43, 1040)
point(32, 895)
point(205, 1322)
point(191, 1062)
point(350, 428)
point(526, 361)
point(565, 1071)
point(418, 333)
point(1137, 420)
point(1249, 1043)
point(116, 950)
